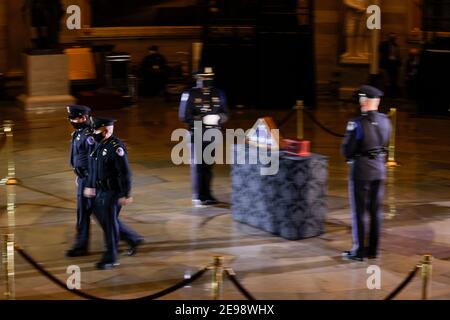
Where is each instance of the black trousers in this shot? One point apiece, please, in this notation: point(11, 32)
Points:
point(107, 209)
point(366, 197)
point(201, 173)
point(84, 211)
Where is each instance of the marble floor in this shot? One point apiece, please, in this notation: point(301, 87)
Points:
point(180, 239)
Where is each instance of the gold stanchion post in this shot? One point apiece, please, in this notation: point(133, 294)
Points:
point(11, 176)
point(391, 150)
point(217, 277)
point(8, 265)
point(426, 276)
point(300, 129)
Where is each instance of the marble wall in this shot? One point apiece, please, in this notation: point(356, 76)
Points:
point(399, 16)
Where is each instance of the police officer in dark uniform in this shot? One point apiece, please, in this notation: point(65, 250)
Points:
point(365, 147)
point(201, 108)
point(81, 146)
point(110, 184)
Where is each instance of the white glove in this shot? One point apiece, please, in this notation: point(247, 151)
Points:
point(211, 119)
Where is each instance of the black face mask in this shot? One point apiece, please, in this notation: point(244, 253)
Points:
point(208, 83)
point(98, 137)
point(78, 125)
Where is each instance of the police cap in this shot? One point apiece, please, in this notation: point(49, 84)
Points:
point(370, 92)
point(207, 72)
point(102, 122)
point(75, 111)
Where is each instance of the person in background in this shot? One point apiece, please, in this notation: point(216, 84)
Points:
point(110, 185)
point(364, 147)
point(153, 71)
point(81, 146)
point(206, 105)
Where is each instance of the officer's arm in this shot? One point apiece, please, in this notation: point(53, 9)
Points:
point(124, 172)
point(224, 110)
point(352, 136)
point(185, 111)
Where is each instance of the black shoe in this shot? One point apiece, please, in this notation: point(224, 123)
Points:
point(351, 256)
point(372, 256)
point(210, 202)
point(103, 265)
point(76, 252)
point(131, 251)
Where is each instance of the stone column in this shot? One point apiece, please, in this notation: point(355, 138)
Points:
point(3, 39)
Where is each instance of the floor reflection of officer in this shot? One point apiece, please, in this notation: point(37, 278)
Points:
point(364, 147)
point(110, 184)
point(81, 146)
point(153, 72)
point(208, 106)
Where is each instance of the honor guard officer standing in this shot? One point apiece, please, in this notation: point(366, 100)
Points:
point(110, 184)
point(364, 147)
point(81, 146)
point(201, 108)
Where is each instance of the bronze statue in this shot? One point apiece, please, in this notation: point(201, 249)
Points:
point(45, 20)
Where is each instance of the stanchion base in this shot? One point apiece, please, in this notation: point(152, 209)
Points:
point(392, 164)
point(9, 182)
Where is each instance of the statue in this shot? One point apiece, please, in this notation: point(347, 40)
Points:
point(357, 45)
point(45, 19)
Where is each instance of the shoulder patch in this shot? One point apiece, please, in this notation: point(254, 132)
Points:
point(120, 152)
point(185, 96)
point(90, 140)
point(351, 125)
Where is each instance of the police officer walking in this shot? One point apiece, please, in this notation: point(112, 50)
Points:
point(365, 147)
point(81, 146)
point(110, 184)
point(201, 108)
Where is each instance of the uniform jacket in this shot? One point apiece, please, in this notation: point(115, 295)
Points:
point(199, 102)
point(370, 131)
point(81, 146)
point(110, 167)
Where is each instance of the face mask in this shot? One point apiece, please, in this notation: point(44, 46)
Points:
point(98, 137)
point(78, 125)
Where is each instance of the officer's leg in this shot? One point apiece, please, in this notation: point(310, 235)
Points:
point(207, 175)
point(126, 233)
point(207, 178)
point(106, 212)
point(196, 172)
point(358, 192)
point(84, 210)
point(375, 201)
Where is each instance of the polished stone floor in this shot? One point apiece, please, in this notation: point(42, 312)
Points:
point(180, 239)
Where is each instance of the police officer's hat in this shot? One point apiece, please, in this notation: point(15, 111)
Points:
point(207, 72)
point(75, 111)
point(370, 92)
point(102, 122)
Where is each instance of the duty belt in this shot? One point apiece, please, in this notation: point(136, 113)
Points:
point(373, 153)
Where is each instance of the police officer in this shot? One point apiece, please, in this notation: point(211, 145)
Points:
point(81, 146)
point(201, 108)
point(110, 184)
point(364, 147)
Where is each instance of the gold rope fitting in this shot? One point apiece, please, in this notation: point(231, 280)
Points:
point(8, 265)
point(300, 129)
point(217, 277)
point(392, 140)
point(426, 275)
point(10, 179)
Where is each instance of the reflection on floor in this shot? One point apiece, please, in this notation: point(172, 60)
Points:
point(181, 239)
